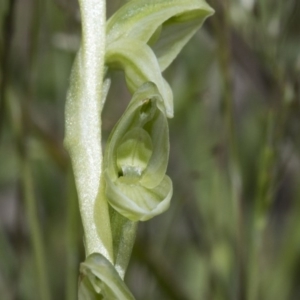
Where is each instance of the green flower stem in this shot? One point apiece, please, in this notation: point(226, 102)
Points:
point(83, 128)
point(34, 227)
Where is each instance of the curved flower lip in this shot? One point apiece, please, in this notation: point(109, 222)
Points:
point(101, 278)
point(136, 202)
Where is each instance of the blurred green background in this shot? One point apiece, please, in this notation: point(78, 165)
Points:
point(233, 229)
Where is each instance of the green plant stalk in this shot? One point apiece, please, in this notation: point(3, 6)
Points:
point(262, 203)
point(83, 128)
point(34, 227)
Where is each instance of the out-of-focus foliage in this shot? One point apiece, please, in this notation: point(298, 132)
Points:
point(233, 228)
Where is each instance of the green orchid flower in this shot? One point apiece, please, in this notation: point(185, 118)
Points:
point(136, 158)
point(130, 183)
point(144, 37)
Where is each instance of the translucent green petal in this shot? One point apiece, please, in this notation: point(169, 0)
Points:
point(139, 19)
point(140, 65)
point(100, 280)
point(136, 202)
point(157, 166)
point(175, 34)
point(175, 21)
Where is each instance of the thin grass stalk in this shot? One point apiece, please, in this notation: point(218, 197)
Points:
point(222, 30)
point(35, 230)
point(72, 230)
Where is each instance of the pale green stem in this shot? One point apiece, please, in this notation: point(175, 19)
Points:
point(34, 227)
point(85, 107)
